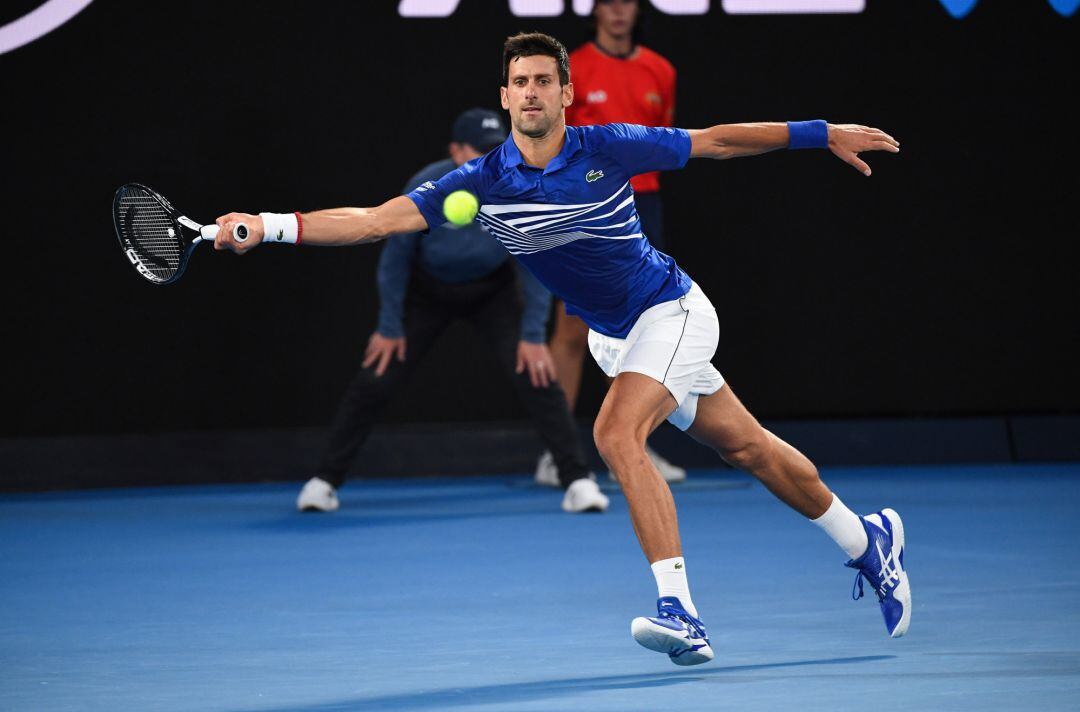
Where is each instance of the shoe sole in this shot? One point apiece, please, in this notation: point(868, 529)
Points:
point(313, 507)
point(591, 509)
point(902, 592)
point(664, 640)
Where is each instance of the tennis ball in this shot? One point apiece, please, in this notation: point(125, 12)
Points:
point(460, 207)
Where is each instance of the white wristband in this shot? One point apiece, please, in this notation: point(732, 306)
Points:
point(280, 227)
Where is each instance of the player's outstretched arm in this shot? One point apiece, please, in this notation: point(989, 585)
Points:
point(846, 141)
point(337, 226)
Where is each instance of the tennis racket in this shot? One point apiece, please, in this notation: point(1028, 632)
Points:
point(156, 238)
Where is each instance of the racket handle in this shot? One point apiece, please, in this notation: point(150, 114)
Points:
point(209, 232)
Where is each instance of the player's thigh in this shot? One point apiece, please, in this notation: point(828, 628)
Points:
point(724, 424)
point(634, 406)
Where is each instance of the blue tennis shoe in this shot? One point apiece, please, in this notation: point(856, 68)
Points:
point(882, 565)
point(675, 632)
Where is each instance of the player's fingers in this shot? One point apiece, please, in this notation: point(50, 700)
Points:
point(882, 145)
point(520, 363)
point(880, 135)
point(226, 235)
point(370, 355)
point(219, 239)
point(859, 165)
point(401, 351)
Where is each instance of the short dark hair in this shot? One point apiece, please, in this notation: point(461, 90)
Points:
point(530, 44)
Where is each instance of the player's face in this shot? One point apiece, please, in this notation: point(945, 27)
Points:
point(533, 95)
point(616, 17)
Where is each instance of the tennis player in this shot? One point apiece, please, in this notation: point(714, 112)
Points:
point(560, 200)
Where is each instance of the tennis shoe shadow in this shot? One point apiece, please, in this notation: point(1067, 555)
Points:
point(522, 692)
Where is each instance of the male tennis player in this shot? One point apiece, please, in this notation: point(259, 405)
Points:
point(559, 199)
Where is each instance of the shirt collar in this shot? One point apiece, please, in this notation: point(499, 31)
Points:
point(514, 158)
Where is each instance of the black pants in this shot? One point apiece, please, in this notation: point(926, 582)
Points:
point(493, 305)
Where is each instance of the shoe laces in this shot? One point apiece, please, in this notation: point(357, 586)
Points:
point(696, 626)
point(857, 588)
point(889, 576)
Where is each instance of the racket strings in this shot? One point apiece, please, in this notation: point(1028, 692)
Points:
point(151, 233)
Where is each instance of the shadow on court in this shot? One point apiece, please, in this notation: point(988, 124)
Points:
point(509, 693)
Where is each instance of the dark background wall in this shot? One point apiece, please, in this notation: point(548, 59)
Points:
point(945, 284)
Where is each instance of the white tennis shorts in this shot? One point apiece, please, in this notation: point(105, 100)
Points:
point(672, 343)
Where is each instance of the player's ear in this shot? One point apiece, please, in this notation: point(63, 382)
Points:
point(568, 94)
point(503, 98)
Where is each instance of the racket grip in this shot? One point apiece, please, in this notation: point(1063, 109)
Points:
point(209, 232)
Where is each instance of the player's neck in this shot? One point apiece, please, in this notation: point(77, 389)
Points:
point(539, 151)
point(620, 47)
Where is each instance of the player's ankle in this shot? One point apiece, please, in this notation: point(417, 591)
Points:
point(671, 581)
point(845, 527)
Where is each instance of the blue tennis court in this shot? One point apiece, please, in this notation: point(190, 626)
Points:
point(477, 593)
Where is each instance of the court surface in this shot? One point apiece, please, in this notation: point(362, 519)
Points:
point(479, 594)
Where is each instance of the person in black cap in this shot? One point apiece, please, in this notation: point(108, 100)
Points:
point(427, 281)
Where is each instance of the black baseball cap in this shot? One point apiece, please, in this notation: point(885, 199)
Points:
point(482, 129)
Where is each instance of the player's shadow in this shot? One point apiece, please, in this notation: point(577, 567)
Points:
point(548, 689)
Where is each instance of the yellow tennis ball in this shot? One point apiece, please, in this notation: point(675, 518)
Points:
point(460, 207)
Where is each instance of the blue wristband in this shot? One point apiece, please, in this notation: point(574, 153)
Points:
point(808, 134)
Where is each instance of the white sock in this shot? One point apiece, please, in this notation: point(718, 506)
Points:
point(671, 581)
point(845, 528)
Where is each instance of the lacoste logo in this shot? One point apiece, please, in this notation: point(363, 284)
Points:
point(678, 566)
point(593, 176)
point(281, 234)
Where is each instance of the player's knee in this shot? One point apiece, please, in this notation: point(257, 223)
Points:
point(616, 440)
point(750, 455)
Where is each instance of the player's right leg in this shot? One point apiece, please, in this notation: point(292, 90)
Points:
point(875, 542)
point(569, 344)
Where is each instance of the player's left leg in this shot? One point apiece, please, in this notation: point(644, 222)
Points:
point(875, 543)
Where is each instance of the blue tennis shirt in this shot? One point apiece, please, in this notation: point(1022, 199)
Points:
point(574, 225)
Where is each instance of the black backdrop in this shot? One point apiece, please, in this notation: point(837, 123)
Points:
point(945, 284)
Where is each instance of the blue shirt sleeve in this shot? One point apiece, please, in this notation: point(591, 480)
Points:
point(392, 278)
point(534, 317)
point(643, 149)
point(429, 195)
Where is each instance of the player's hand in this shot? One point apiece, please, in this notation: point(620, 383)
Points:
point(847, 141)
point(537, 359)
point(380, 349)
point(225, 239)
